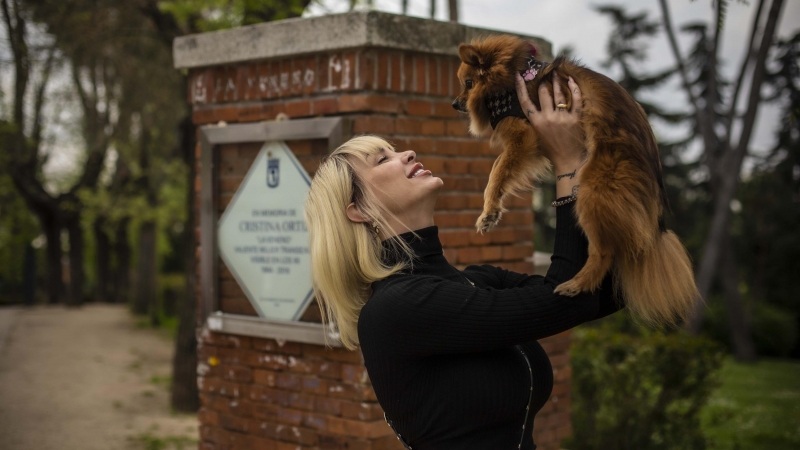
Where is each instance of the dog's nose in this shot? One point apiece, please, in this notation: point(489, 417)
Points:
point(455, 105)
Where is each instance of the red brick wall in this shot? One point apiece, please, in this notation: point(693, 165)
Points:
point(259, 394)
point(262, 395)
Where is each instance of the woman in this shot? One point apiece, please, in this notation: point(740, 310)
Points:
point(452, 355)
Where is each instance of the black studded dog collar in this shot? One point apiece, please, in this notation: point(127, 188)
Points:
point(506, 104)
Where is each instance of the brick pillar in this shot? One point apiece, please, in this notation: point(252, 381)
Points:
point(262, 393)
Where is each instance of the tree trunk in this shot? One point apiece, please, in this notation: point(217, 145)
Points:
point(185, 396)
point(453, 4)
point(739, 323)
point(55, 275)
point(122, 251)
point(29, 276)
point(729, 167)
point(76, 274)
point(145, 269)
point(103, 261)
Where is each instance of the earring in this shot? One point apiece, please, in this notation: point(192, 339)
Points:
point(373, 227)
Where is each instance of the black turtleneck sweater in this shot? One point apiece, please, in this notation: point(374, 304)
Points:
point(445, 357)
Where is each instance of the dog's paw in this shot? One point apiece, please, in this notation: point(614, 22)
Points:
point(487, 221)
point(570, 288)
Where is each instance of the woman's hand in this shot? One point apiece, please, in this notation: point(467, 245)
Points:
point(559, 128)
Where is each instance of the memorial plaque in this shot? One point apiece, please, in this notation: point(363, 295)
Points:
point(263, 238)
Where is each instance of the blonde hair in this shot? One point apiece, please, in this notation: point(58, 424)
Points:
point(347, 257)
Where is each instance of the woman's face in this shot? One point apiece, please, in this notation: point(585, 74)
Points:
point(400, 183)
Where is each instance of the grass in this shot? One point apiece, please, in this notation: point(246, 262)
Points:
point(164, 381)
point(148, 441)
point(167, 326)
point(757, 406)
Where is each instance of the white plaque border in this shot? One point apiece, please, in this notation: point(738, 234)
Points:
point(306, 178)
point(334, 129)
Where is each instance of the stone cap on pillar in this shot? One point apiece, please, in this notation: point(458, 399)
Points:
point(334, 32)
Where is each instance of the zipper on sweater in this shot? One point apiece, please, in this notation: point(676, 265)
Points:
point(399, 438)
point(530, 397)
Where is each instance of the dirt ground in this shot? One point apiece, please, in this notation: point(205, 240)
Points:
point(86, 378)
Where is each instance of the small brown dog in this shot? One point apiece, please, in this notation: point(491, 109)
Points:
point(622, 198)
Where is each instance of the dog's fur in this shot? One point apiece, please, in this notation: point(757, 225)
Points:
point(621, 198)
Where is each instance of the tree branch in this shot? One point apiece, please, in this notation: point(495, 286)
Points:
point(16, 34)
point(709, 138)
point(754, 97)
point(94, 132)
point(76, 78)
point(108, 89)
point(750, 52)
point(36, 133)
point(22, 164)
point(93, 83)
point(168, 28)
point(711, 76)
point(7, 20)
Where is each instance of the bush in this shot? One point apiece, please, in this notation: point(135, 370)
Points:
point(172, 289)
point(640, 391)
point(774, 328)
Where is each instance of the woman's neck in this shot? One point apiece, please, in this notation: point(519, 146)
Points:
point(421, 217)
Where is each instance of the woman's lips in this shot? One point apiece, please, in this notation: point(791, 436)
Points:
point(420, 173)
point(414, 169)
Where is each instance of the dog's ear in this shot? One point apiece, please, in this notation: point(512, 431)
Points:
point(469, 55)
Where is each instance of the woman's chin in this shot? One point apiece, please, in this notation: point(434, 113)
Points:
point(437, 182)
point(436, 186)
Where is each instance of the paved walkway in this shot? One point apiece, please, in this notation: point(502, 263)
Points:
point(8, 316)
point(85, 379)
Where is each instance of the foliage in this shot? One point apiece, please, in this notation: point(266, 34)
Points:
point(212, 15)
point(144, 178)
point(768, 243)
point(774, 328)
point(639, 389)
point(17, 229)
point(149, 441)
point(756, 407)
point(627, 47)
point(764, 228)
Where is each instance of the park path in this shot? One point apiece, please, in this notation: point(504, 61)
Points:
point(86, 378)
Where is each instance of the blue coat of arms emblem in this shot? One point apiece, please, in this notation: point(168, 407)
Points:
point(273, 172)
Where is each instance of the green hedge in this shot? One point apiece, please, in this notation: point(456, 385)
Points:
point(774, 329)
point(640, 390)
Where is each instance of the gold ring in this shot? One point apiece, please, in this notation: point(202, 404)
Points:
point(561, 106)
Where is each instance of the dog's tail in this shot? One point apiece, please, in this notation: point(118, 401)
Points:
point(658, 285)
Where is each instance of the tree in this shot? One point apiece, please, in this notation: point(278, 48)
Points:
point(18, 228)
point(766, 235)
point(626, 49)
point(695, 189)
point(171, 19)
point(22, 142)
point(722, 155)
point(453, 8)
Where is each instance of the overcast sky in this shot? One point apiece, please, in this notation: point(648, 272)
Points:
point(577, 24)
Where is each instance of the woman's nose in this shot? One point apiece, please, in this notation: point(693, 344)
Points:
point(410, 156)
